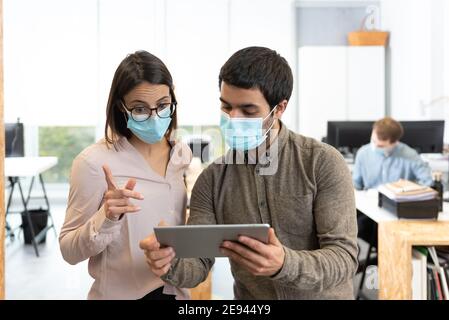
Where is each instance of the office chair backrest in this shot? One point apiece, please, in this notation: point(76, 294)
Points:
point(14, 140)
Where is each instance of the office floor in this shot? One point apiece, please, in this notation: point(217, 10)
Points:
point(50, 277)
point(46, 277)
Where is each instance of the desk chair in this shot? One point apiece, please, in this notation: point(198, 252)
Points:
point(367, 231)
point(200, 146)
point(35, 237)
point(14, 147)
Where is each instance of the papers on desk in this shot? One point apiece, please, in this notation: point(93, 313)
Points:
point(407, 191)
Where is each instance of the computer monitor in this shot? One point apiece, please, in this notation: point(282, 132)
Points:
point(423, 136)
point(348, 136)
point(14, 144)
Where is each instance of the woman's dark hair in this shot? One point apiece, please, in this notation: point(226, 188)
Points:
point(135, 69)
point(262, 68)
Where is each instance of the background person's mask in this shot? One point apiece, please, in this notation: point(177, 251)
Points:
point(382, 151)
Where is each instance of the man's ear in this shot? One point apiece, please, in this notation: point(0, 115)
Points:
point(280, 109)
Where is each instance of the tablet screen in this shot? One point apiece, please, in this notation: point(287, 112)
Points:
point(204, 241)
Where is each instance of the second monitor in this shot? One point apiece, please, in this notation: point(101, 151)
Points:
point(349, 136)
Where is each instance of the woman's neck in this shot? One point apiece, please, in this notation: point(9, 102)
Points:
point(150, 150)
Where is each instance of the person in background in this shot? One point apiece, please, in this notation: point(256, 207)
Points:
point(125, 184)
point(386, 159)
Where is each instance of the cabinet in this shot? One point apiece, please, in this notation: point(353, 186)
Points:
point(396, 239)
point(339, 83)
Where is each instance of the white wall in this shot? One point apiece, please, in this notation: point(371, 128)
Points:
point(197, 47)
point(322, 87)
point(269, 23)
point(419, 57)
point(446, 47)
point(123, 27)
point(408, 22)
point(50, 62)
point(338, 83)
point(60, 56)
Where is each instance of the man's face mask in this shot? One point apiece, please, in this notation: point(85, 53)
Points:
point(244, 133)
point(384, 151)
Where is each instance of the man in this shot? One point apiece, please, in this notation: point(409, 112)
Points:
point(306, 196)
point(386, 159)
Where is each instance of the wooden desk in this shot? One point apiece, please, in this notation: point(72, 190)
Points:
point(395, 241)
point(203, 291)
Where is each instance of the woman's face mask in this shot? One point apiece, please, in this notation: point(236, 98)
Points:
point(153, 129)
point(244, 133)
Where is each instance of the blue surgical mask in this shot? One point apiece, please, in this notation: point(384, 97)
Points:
point(382, 151)
point(151, 130)
point(244, 133)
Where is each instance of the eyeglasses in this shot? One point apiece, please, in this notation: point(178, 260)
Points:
point(142, 112)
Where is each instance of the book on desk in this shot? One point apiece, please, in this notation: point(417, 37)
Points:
point(409, 200)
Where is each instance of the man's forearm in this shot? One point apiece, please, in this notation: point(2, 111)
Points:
point(317, 269)
point(188, 272)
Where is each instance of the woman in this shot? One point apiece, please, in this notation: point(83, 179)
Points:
point(124, 185)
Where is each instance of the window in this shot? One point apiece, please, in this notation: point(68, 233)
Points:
point(65, 143)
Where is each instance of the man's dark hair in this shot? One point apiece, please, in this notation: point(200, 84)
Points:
point(262, 68)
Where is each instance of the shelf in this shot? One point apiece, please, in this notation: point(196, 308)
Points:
point(396, 239)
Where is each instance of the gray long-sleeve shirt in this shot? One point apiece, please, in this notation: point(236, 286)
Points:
point(309, 201)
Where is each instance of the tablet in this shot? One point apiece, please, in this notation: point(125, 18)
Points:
point(204, 241)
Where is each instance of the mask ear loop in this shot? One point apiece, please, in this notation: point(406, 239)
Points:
point(124, 111)
point(272, 124)
point(171, 138)
point(267, 133)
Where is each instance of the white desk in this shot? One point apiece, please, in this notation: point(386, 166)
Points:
point(437, 162)
point(19, 167)
point(367, 203)
point(28, 166)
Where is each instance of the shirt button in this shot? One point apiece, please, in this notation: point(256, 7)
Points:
point(257, 170)
point(262, 203)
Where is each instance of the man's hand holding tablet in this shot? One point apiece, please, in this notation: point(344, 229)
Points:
point(254, 246)
point(258, 258)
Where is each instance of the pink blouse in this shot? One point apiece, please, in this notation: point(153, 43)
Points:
point(116, 262)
